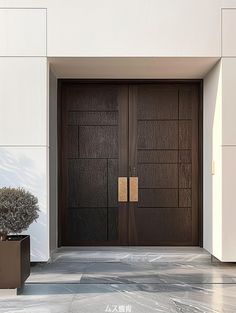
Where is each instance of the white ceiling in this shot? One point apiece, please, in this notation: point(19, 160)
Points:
point(132, 67)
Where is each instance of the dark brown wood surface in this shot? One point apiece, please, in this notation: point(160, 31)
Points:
point(94, 154)
point(164, 156)
point(149, 130)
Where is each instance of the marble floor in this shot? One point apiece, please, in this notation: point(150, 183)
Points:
point(127, 279)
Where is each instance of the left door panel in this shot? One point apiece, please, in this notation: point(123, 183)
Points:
point(94, 153)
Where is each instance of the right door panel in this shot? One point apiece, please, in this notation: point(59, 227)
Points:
point(163, 152)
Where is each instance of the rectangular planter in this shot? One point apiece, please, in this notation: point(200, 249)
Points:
point(14, 261)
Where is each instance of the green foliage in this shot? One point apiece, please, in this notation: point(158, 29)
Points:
point(18, 209)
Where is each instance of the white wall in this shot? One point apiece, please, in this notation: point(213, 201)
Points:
point(23, 101)
point(229, 159)
point(20, 34)
point(220, 146)
point(228, 131)
point(26, 166)
point(212, 161)
point(228, 32)
point(23, 114)
point(228, 203)
point(130, 28)
point(134, 28)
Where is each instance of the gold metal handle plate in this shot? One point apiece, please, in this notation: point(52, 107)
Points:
point(122, 189)
point(133, 189)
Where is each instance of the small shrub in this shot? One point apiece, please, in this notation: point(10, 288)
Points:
point(18, 209)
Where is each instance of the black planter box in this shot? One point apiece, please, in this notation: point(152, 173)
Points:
point(14, 261)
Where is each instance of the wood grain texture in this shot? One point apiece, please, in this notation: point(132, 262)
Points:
point(185, 198)
point(88, 183)
point(185, 134)
point(158, 175)
point(94, 131)
point(92, 118)
point(91, 97)
point(113, 170)
point(158, 198)
point(98, 142)
point(123, 161)
point(166, 158)
point(72, 183)
point(112, 227)
point(72, 142)
point(157, 102)
point(185, 103)
point(149, 130)
point(158, 156)
point(163, 226)
point(92, 187)
point(160, 134)
point(87, 224)
point(185, 176)
point(185, 156)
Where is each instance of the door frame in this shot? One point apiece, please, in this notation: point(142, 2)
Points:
point(62, 81)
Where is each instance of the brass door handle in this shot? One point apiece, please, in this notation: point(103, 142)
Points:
point(133, 189)
point(122, 189)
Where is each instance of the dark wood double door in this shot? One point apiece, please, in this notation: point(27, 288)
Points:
point(117, 129)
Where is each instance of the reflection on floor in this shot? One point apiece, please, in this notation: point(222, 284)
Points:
point(136, 280)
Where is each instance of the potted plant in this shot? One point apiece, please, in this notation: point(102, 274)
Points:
point(18, 209)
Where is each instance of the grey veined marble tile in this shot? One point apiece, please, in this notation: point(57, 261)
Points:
point(57, 272)
point(169, 273)
point(141, 298)
point(131, 254)
point(119, 272)
point(127, 279)
point(157, 298)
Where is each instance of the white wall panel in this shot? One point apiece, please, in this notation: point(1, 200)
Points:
point(229, 204)
point(134, 28)
point(229, 32)
point(22, 32)
point(23, 101)
point(212, 153)
point(220, 148)
point(229, 100)
point(27, 167)
point(130, 28)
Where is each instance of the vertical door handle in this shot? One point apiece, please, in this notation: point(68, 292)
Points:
point(133, 189)
point(122, 189)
